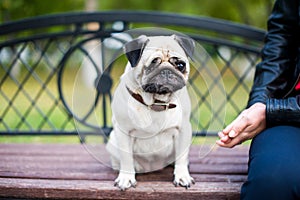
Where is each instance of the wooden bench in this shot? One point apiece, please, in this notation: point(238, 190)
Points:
point(41, 59)
point(60, 171)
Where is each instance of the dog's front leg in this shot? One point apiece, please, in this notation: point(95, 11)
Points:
point(126, 178)
point(182, 144)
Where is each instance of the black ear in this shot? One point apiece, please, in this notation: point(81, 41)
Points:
point(134, 49)
point(187, 44)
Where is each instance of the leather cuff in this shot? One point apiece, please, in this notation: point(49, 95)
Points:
point(282, 112)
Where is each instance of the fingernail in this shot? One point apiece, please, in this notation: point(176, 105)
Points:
point(220, 134)
point(232, 133)
point(219, 142)
point(224, 139)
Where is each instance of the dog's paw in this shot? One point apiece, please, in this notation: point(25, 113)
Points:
point(183, 178)
point(125, 181)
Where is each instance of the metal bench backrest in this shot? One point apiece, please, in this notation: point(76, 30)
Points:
point(58, 72)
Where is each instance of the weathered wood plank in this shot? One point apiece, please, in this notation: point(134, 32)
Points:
point(96, 168)
point(75, 149)
point(166, 175)
point(71, 189)
point(105, 157)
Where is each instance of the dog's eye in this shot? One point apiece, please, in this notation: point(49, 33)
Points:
point(156, 61)
point(179, 64)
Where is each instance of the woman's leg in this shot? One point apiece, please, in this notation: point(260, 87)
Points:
point(274, 165)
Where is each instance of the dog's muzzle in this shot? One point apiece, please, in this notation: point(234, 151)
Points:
point(163, 82)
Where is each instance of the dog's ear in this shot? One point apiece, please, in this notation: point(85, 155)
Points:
point(187, 44)
point(134, 49)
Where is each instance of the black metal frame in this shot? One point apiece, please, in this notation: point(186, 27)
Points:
point(53, 29)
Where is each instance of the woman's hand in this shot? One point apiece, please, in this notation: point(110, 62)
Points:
point(246, 126)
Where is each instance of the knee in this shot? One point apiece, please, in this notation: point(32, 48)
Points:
point(269, 182)
point(271, 179)
point(274, 165)
point(269, 187)
point(273, 170)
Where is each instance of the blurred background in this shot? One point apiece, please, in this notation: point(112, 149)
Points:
point(21, 87)
point(249, 12)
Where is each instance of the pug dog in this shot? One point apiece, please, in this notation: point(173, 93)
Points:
point(151, 110)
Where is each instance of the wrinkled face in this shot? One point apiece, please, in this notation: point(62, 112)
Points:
point(163, 67)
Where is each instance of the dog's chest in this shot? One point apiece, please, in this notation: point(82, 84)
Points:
point(154, 142)
point(155, 131)
point(149, 121)
point(154, 151)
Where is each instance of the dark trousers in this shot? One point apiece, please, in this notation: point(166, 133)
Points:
point(274, 165)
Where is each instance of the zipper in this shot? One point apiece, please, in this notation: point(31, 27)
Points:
point(291, 90)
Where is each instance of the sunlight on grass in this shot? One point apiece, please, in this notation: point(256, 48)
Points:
point(40, 139)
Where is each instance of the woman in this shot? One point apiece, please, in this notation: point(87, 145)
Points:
point(272, 117)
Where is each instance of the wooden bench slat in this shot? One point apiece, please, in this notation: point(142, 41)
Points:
point(70, 189)
point(78, 153)
point(75, 149)
point(45, 159)
point(161, 176)
point(209, 168)
point(87, 168)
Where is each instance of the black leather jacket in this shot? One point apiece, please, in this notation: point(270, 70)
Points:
point(279, 71)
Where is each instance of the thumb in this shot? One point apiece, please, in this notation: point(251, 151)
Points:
point(229, 127)
point(237, 126)
point(233, 133)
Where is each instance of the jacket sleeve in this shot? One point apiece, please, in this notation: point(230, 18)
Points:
point(278, 55)
point(283, 111)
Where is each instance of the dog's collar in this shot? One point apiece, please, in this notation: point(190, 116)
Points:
point(156, 106)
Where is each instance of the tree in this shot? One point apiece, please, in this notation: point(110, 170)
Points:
point(18, 9)
point(250, 12)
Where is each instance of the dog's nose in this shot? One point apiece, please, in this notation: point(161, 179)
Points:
point(167, 74)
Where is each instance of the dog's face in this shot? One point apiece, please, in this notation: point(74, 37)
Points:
point(160, 64)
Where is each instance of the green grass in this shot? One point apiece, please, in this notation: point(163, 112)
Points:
point(40, 139)
point(48, 139)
